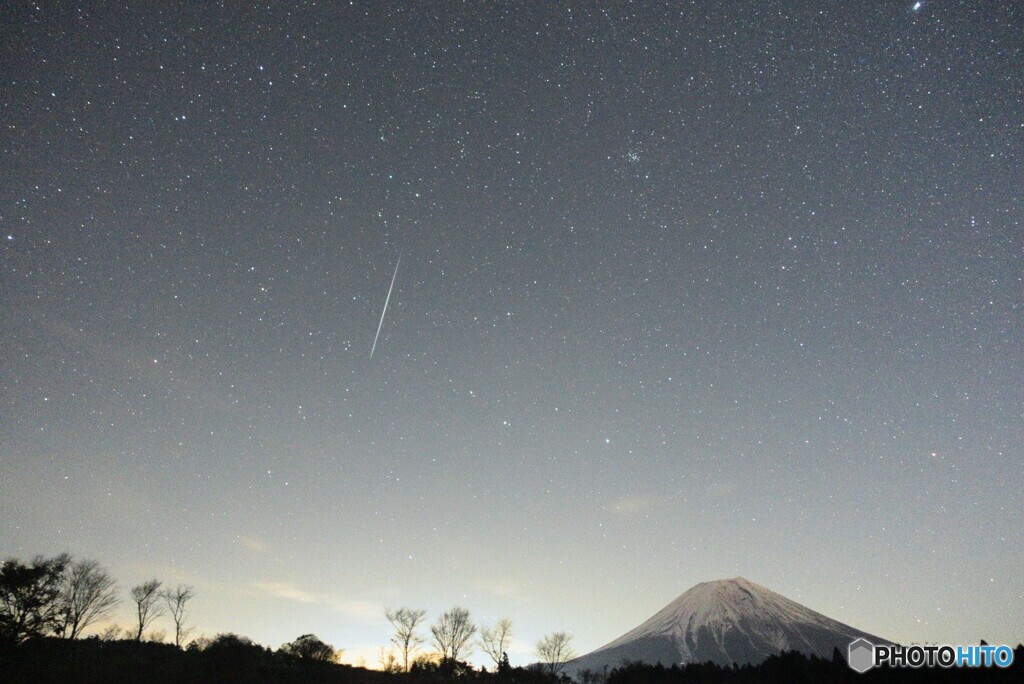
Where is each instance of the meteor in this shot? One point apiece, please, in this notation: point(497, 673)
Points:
point(386, 300)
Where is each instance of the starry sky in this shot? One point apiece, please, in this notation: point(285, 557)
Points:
point(687, 291)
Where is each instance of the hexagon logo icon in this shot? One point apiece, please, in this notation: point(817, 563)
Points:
point(861, 655)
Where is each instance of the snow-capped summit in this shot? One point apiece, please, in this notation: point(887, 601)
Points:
point(726, 621)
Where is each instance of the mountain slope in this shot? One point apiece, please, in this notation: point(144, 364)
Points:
point(726, 621)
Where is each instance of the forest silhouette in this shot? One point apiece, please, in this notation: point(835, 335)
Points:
point(47, 604)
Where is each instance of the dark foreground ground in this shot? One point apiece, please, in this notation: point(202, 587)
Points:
point(91, 661)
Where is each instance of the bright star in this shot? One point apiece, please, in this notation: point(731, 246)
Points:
point(917, 6)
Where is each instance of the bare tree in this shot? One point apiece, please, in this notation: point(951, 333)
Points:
point(88, 595)
point(388, 662)
point(494, 641)
point(175, 600)
point(453, 633)
point(406, 639)
point(554, 652)
point(112, 633)
point(147, 604)
point(156, 636)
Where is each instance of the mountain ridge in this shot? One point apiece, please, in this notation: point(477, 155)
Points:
point(725, 621)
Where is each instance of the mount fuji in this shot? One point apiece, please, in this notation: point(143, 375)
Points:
point(727, 621)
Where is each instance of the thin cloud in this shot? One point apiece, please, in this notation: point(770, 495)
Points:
point(355, 608)
point(284, 590)
point(253, 544)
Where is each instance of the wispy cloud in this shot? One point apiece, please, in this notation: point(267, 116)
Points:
point(284, 590)
point(520, 647)
point(500, 586)
point(357, 608)
point(253, 544)
point(354, 608)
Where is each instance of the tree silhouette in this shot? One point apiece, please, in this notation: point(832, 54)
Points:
point(310, 647)
point(147, 604)
point(452, 635)
point(88, 595)
point(406, 639)
point(494, 641)
point(388, 662)
point(112, 633)
point(30, 597)
point(175, 600)
point(554, 652)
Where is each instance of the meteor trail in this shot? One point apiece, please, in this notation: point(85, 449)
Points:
point(386, 300)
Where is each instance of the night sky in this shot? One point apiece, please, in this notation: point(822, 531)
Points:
point(687, 291)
